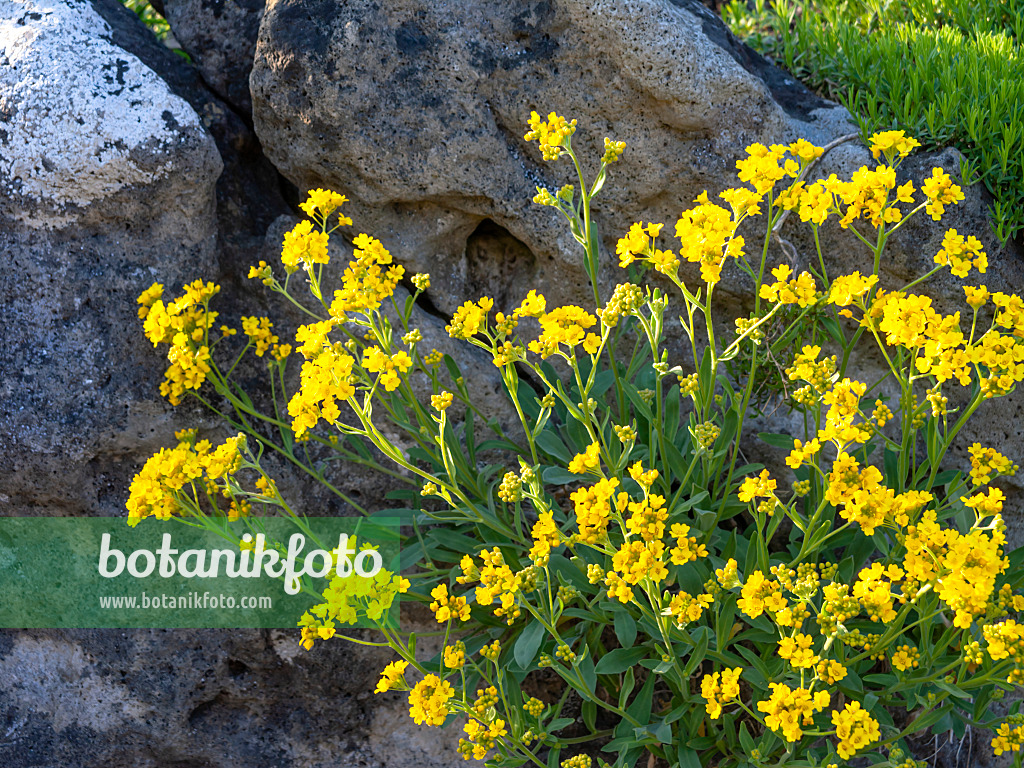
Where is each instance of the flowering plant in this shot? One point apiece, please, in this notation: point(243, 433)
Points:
point(615, 583)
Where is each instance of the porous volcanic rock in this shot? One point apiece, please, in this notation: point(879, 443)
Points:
point(109, 181)
point(220, 36)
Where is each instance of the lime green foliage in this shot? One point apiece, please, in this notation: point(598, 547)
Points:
point(949, 72)
point(156, 23)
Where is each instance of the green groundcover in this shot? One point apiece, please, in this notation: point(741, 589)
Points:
point(63, 572)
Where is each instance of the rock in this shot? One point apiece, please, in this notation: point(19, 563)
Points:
point(249, 191)
point(220, 36)
point(416, 110)
point(109, 182)
point(151, 698)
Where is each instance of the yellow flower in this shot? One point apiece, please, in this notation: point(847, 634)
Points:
point(545, 538)
point(258, 331)
point(446, 607)
point(593, 510)
point(470, 319)
point(639, 241)
point(552, 134)
point(588, 461)
point(455, 655)
point(393, 677)
point(719, 689)
point(788, 709)
point(321, 203)
point(428, 700)
point(441, 401)
point(976, 297)
point(892, 144)
point(802, 291)
point(564, 325)
point(855, 729)
point(940, 191)
point(905, 657)
point(304, 245)
point(961, 254)
point(797, 651)
point(987, 463)
point(639, 560)
point(707, 235)
point(533, 305)
point(847, 289)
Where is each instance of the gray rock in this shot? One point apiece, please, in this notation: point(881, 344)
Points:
point(220, 36)
point(109, 183)
point(158, 698)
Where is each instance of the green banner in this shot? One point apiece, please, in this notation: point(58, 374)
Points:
point(257, 572)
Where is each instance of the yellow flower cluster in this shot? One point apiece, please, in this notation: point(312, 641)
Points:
point(707, 235)
point(565, 325)
point(369, 278)
point(349, 598)
point(855, 728)
point(551, 134)
point(800, 291)
point(304, 245)
point(326, 378)
point(987, 463)
point(962, 567)
point(375, 360)
point(940, 191)
point(184, 324)
point(498, 582)
point(258, 329)
point(428, 700)
point(588, 461)
point(892, 144)
point(960, 254)
point(392, 678)
point(154, 491)
point(321, 203)
point(719, 688)
point(1008, 739)
point(546, 537)
point(789, 710)
point(593, 510)
point(447, 607)
point(483, 737)
point(639, 241)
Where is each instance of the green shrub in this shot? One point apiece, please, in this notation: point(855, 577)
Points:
point(949, 72)
point(615, 580)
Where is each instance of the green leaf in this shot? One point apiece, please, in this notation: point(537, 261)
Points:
point(628, 683)
point(746, 740)
point(952, 690)
point(586, 669)
point(621, 659)
point(456, 542)
point(625, 628)
point(559, 476)
point(701, 636)
point(589, 712)
point(688, 758)
point(776, 440)
point(640, 709)
point(552, 445)
point(528, 643)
